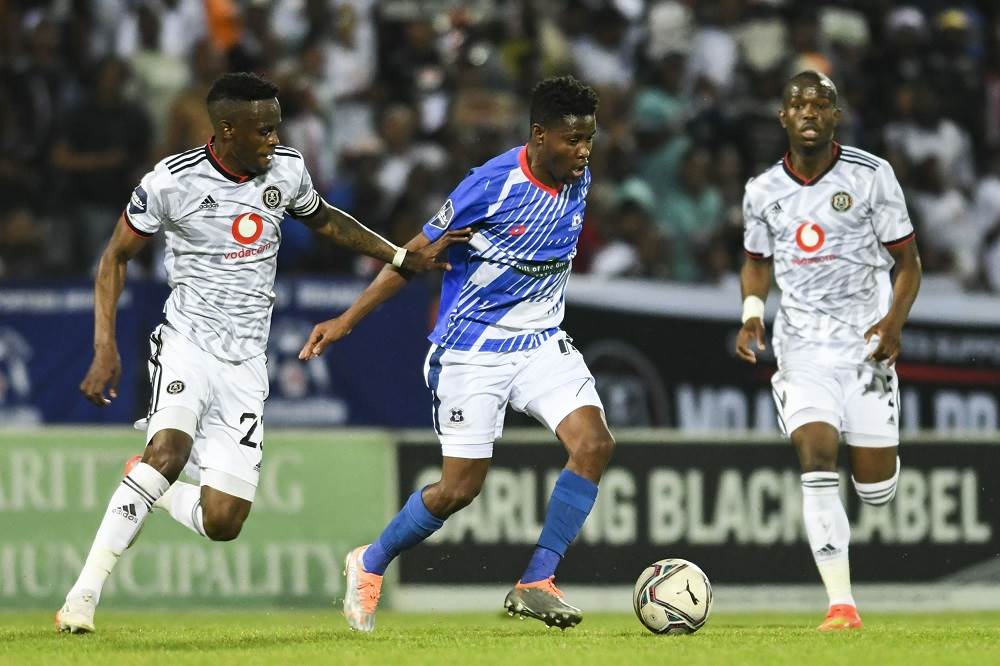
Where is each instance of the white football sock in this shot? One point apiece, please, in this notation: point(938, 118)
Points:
point(184, 503)
point(880, 492)
point(128, 508)
point(829, 533)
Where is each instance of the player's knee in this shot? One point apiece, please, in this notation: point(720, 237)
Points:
point(167, 453)
point(879, 492)
point(222, 529)
point(456, 497)
point(594, 450)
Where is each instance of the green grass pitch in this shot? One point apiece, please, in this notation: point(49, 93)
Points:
point(294, 638)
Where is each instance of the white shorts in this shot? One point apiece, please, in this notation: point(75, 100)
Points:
point(227, 399)
point(470, 391)
point(860, 401)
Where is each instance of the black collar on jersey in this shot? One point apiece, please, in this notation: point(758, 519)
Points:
point(787, 165)
point(213, 159)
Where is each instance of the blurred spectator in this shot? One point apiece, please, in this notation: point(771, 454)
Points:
point(180, 23)
point(402, 152)
point(22, 244)
point(657, 120)
point(955, 69)
point(714, 53)
point(187, 123)
point(948, 238)
point(388, 100)
point(33, 88)
point(602, 54)
point(159, 74)
point(99, 154)
point(303, 127)
point(923, 133)
point(690, 216)
point(634, 246)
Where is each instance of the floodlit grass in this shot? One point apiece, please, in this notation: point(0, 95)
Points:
point(292, 638)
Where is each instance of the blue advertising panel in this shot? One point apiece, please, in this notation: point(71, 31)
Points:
point(46, 345)
point(372, 377)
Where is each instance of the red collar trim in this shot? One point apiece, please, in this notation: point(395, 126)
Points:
point(522, 159)
point(801, 180)
point(220, 167)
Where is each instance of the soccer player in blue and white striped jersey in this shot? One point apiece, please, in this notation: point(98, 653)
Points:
point(497, 342)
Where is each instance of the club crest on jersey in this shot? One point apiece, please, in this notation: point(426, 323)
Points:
point(137, 203)
point(444, 215)
point(841, 202)
point(247, 228)
point(272, 197)
point(809, 236)
point(175, 387)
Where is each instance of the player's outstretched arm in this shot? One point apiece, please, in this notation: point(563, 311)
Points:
point(904, 292)
point(344, 230)
point(106, 367)
point(385, 285)
point(755, 282)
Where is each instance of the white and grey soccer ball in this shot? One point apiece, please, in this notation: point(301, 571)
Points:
point(672, 596)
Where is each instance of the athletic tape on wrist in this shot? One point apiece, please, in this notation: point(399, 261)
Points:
point(753, 306)
point(397, 260)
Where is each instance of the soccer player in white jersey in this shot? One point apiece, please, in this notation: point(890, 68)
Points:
point(832, 221)
point(220, 206)
point(498, 342)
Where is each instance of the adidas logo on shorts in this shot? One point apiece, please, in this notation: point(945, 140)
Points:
point(126, 511)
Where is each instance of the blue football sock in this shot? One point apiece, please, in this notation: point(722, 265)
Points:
point(570, 504)
point(412, 524)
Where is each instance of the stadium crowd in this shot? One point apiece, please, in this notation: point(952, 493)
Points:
point(391, 102)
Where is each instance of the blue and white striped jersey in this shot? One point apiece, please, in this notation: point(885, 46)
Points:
point(505, 291)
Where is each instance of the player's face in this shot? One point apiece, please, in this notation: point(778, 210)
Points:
point(255, 135)
point(809, 114)
point(565, 149)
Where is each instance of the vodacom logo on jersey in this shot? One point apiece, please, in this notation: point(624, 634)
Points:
point(247, 228)
point(809, 236)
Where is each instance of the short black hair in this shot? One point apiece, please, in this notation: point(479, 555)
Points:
point(811, 76)
point(555, 98)
point(241, 87)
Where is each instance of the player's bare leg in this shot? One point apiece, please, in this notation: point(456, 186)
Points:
point(825, 519)
point(585, 435)
point(142, 485)
point(424, 513)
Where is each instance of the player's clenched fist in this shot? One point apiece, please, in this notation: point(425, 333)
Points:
point(752, 331)
point(323, 334)
point(105, 371)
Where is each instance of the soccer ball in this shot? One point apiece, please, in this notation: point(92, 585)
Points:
point(672, 596)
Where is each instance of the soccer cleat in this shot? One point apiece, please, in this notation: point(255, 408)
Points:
point(77, 614)
point(543, 601)
point(362, 592)
point(840, 617)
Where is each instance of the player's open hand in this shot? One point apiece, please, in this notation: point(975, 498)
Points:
point(426, 258)
point(752, 331)
point(889, 334)
point(323, 335)
point(105, 371)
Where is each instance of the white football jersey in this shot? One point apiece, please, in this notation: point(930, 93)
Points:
point(828, 237)
point(222, 233)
